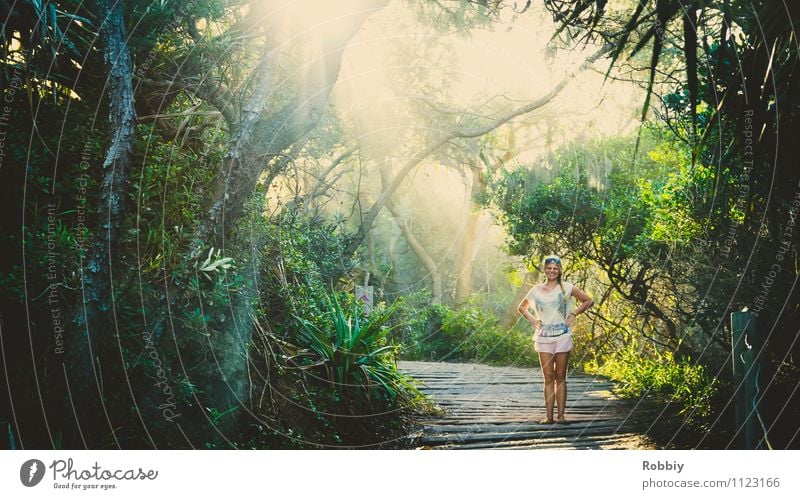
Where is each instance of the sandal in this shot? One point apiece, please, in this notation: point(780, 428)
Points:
point(546, 421)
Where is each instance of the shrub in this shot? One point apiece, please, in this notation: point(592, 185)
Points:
point(417, 328)
point(661, 378)
point(356, 357)
point(496, 345)
point(468, 333)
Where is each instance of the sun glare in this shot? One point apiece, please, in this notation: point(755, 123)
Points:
point(312, 20)
point(492, 70)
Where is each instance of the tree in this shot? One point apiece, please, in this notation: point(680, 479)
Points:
point(419, 250)
point(740, 76)
point(442, 138)
point(97, 274)
point(180, 60)
point(634, 224)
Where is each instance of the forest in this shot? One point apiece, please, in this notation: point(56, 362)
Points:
point(224, 222)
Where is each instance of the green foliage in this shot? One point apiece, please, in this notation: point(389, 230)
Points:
point(496, 345)
point(661, 378)
point(468, 333)
point(636, 225)
point(355, 354)
point(632, 230)
point(42, 39)
point(597, 196)
point(418, 328)
point(168, 196)
point(631, 227)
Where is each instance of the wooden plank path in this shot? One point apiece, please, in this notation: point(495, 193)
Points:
point(499, 408)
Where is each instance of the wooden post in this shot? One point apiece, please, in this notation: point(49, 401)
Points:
point(743, 344)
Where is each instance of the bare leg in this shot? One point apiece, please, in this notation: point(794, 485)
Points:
point(549, 374)
point(561, 362)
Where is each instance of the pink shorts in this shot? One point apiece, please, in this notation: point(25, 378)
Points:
point(554, 347)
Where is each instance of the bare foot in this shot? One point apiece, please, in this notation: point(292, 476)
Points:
point(561, 420)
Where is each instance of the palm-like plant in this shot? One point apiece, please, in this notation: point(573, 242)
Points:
point(356, 356)
point(45, 40)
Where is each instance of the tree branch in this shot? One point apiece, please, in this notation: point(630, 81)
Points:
point(445, 137)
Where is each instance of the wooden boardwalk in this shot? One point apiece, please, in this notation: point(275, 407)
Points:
point(499, 407)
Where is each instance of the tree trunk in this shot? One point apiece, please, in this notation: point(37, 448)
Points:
point(255, 151)
point(419, 250)
point(466, 256)
point(92, 317)
point(470, 240)
point(467, 250)
point(263, 136)
point(469, 244)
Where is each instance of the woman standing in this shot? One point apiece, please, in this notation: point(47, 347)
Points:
point(553, 321)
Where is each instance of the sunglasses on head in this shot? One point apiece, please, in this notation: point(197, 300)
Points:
point(552, 260)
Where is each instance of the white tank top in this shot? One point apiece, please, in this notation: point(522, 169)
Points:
point(551, 307)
